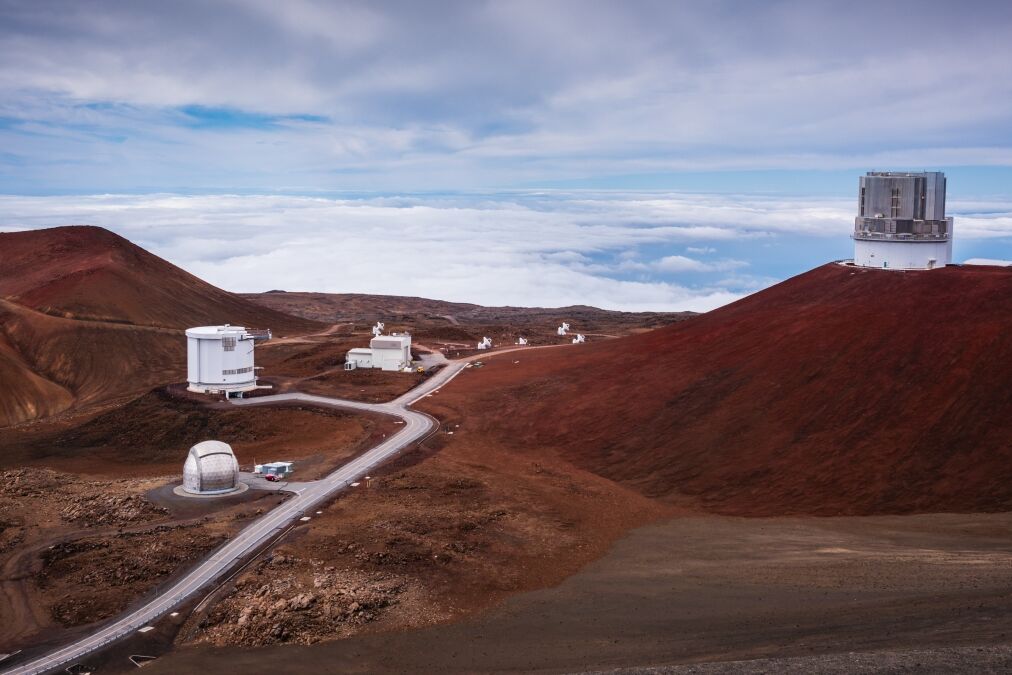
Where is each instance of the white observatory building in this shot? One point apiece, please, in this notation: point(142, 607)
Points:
point(387, 352)
point(901, 221)
point(210, 468)
point(219, 359)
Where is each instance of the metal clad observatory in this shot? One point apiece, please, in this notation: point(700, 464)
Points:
point(901, 222)
point(210, 468)
point(220, 359)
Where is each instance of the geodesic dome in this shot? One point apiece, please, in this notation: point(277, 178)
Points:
point(210, 468)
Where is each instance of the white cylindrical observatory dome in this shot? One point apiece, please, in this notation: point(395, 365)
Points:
point(901, 222)
point(220, 359)
point(210, 468)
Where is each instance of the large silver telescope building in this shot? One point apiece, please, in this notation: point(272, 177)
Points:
point(901, 221)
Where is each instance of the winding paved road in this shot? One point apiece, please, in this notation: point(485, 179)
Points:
point(416, 426)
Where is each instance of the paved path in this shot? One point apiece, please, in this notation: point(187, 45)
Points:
point(307, 497)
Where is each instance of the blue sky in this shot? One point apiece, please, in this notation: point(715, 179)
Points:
point(737, 117)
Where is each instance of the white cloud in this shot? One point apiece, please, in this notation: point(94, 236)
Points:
point(988, 261)
point(680, 263)
point(609, 249)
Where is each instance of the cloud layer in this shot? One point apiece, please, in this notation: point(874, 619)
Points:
point(632, 251)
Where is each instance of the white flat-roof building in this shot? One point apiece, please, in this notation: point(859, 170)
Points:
point(219, 359)
point(387, 352)
point(279, 469)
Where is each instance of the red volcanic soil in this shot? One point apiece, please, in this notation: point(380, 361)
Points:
point(840, 391)
point(86, 318)
point(148, 436)
point(83, 272)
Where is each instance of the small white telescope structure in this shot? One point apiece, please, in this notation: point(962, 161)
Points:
point(563, 329)
point(219, 359)
point(377, 330)
point(486, 343)
point(579, 339)
point(522, 341)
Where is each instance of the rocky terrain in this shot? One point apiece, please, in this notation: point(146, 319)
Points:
point(95, 578)
point(49, 515)
point(97, 510)
point(450, 528)
point(86, 503)
point(77, 550)
point(286, 599)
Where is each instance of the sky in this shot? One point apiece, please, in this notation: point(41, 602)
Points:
point(630, 155)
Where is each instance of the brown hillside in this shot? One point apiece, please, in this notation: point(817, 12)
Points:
point(840, 391)
point(426, 317)
point(86, 317)
point(83, 272)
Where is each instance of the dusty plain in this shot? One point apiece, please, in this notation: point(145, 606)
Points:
point(697, 589)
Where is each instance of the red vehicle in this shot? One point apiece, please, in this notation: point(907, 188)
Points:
point(271, 477)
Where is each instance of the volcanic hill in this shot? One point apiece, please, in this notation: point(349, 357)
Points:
point(90, 273)
point(87, 317)
point(841, 391)
point(432, 321)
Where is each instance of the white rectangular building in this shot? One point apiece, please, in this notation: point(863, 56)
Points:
point(387, 352)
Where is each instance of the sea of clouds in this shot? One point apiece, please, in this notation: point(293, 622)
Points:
point(618, 250)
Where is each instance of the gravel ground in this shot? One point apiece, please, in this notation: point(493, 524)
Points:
point(982, 660)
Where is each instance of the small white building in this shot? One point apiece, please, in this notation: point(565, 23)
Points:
point(386, 352)
point(279, 469)
point(219, 359)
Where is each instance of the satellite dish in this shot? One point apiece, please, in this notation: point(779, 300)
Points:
point(522, 341)
point(378, 328)
point(579, 339)
point(563, 329)
point(486, 343)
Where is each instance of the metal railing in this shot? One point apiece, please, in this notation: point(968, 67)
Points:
point(899, 236)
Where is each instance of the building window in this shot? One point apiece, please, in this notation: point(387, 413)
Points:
point(237, 371)
point(895, 208)
point(228, 344)
point(861, 210)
